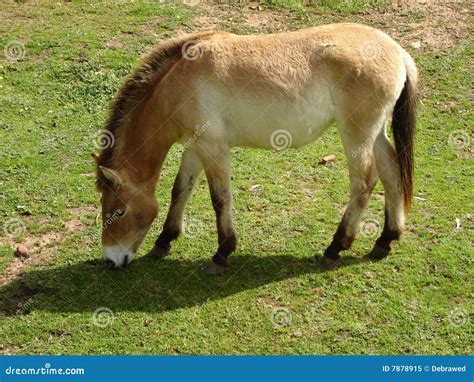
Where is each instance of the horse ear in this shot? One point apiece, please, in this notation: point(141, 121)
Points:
point(112, 175)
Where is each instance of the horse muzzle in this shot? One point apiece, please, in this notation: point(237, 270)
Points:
point(117, 256)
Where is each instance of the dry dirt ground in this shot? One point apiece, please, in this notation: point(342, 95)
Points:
point(425, 24)
point(40, 247)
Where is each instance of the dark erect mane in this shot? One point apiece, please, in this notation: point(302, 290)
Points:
point(136, 89)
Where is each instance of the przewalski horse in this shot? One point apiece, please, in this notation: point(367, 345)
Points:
point(213, 91)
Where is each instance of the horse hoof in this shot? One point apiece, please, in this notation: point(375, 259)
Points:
point(328, 263)
point(213, 269)
point(159, 252)
point(378, 253)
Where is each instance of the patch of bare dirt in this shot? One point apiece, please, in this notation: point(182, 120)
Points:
point(252, 16)
point(267, 20)
point(207, 22)
point(41, 247)
point(416, 24)
point(426, 24)
point(114, 43)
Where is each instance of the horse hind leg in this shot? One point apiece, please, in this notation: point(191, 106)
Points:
point(183, 187)
point(363, 177)
point(387, 167)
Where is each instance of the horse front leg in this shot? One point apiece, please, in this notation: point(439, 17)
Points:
point(216, 162)
point(182, 190)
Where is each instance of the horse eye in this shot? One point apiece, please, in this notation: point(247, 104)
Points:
point(120, 212)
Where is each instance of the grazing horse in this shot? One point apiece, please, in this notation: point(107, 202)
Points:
point(213, 91)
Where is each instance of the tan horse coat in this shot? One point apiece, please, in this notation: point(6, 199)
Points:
point(213, 91)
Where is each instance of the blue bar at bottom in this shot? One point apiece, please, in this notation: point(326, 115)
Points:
point(236, 368)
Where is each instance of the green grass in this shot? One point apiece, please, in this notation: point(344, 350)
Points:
point(419, 300)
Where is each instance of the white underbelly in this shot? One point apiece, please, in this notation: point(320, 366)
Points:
point(270, 122)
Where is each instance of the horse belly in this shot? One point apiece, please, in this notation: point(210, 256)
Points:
point(277, 122)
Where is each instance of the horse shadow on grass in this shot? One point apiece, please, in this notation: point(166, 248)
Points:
point(147, 285)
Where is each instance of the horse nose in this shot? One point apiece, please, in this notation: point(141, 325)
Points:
point(109, 263)
point(125, 261)
point(117, 256)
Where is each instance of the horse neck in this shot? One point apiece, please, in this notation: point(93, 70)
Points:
point(142, 151)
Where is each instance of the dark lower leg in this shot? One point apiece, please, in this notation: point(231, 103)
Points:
point(182, 190)
point(180, 194)
point(394, 214)
point(346, 231)
point(227, 239)
point(363, 177)
point(216, 161)
point(166, 237)
point(340, 242)
point(382, 246)
point(172, 228)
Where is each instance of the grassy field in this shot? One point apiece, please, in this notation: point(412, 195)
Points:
point(61, 64)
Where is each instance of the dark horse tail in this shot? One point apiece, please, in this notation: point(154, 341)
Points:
point(403, 127)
